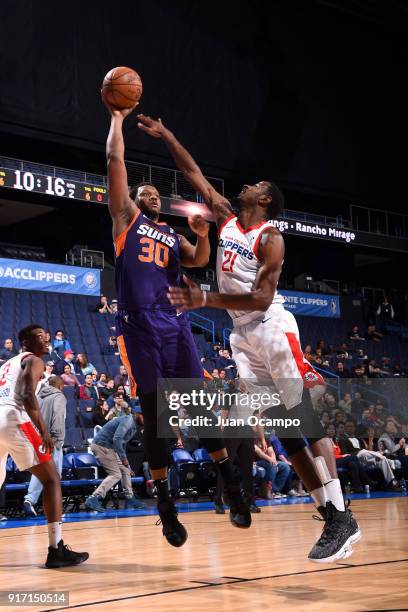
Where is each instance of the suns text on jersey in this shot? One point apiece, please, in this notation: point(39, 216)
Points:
point(151, 232)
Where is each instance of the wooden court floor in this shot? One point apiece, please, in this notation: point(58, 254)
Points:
point(131, 567)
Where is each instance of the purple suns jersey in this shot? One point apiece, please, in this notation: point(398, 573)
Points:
point(147, 264)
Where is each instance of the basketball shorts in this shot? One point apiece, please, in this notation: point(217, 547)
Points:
point(269, 351)
point(20, 439)
point(156, 344)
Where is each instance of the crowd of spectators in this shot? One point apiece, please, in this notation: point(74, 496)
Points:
point(369, 438)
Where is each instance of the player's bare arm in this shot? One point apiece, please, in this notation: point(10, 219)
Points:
point(198, 255)
point(121, 207)
point(216, 202)
point(272, 249)
point(33, 369)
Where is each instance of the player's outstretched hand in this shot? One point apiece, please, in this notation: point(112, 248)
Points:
point(153, 127)
point(186, 299)
point(199, 225)
point(116, 112)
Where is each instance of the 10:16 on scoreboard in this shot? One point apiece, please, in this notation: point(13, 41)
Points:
point(53, 186)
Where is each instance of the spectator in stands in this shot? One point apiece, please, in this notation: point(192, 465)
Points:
point(392, 448)
point(325, 418)
point(353, 445)
point(122, 390)
point(385, 314)
point(48, 372)
point(84, 366)
point(346, 403)
point(51, 354)
point(122, 378)
point(95, 377)
point(321, 347)
point(224, 362)
point(60, 343)
point(340, 429)
point(282, 455)
point(373, 334)
point(70, 379)
point(109, 444)
point(357, 405)
point(277, 473)
point(103, 306)
point(112, 347)
point(87, 391)
point(348, 462)
point(342, 371)
point(307, 353)
point(224, 380)
point(119, 407)
point(385, 367)
point(114, 306)
point(8, 351)
point(355, 333)
point(359, 372)
point(100, 413)
point(53, 405)
point(370, 440)
point(108, 389)
point(398, 371)
point(376, 417)
point(67, 360)
point(102, 380)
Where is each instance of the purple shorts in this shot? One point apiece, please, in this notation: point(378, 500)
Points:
point(157, 344)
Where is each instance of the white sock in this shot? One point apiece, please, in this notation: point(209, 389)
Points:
point(54, 533)
point(334, 494)
point(319, 496)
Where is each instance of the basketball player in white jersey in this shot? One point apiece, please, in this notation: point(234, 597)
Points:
point(24, 436)
point(265, 338)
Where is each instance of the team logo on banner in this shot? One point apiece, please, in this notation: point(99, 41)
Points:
point(91, 280)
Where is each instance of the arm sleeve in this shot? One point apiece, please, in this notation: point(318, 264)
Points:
point(118, 439)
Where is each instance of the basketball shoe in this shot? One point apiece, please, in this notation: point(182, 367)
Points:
point(174, 532)
point(340, 532)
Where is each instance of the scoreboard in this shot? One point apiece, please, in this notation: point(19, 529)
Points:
point(57, 183)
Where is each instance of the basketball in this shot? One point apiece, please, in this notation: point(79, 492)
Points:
point(122, 87)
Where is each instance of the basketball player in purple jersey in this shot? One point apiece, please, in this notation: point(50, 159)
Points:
point(265, 338)
point(155, 339)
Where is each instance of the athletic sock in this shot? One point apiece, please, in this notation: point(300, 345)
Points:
point(334, 494)
point(162, 488)
point(225, 467)
point(320, 497)
point(54, 533)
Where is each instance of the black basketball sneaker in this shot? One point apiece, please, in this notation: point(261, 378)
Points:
point(340, 532)
point(174, 532)
point(63, 556)
point(240, 515)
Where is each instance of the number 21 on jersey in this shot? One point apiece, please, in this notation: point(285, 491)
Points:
point(229, 260)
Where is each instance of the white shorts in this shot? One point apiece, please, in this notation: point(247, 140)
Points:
point(20, 439)
point(269, 351)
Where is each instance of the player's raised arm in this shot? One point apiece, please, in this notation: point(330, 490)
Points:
point(216, 202)
point(271, 250)
point(198, 255)
point(33, 369)
point(121, 207)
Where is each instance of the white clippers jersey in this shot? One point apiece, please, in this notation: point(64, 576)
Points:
point(10, 375)
point(238, 264)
